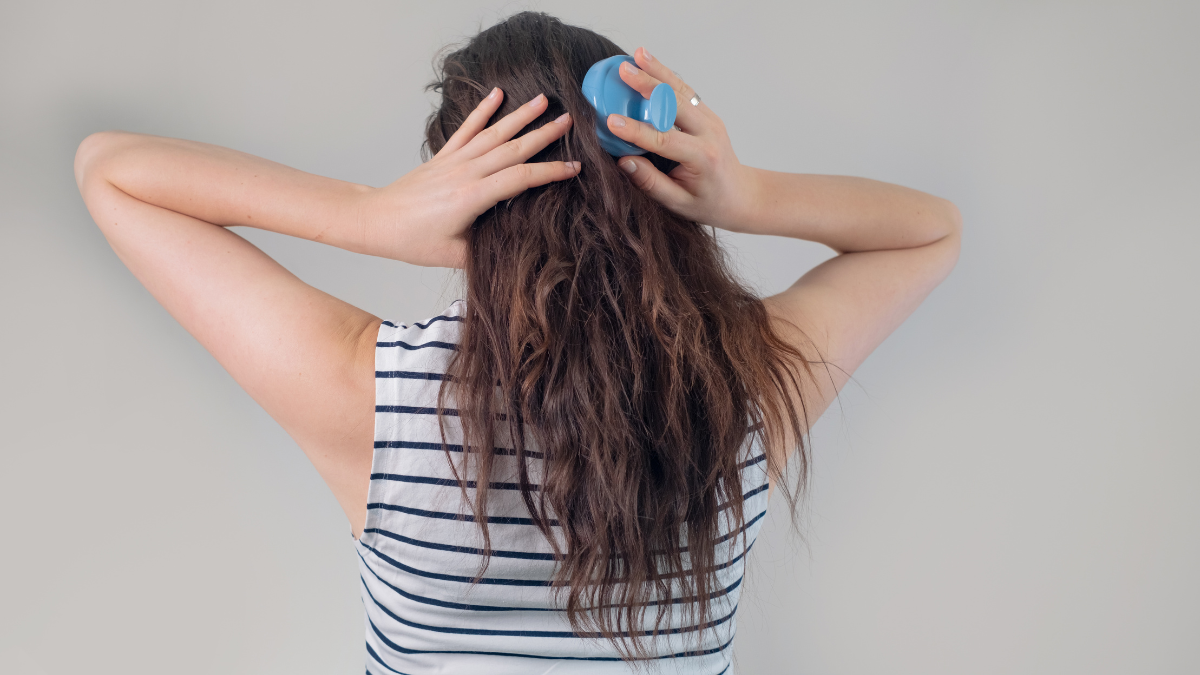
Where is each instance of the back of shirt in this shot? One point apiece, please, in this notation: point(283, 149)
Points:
point(421, 549)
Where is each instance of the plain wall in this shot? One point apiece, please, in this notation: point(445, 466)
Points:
point(1008, 485)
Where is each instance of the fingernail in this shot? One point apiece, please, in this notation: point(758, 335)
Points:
point(562, 119)
point(630, 68)
point(617, 120)
point(536, 100)
point(493, 94)
point(647, 54)
point(629, 166)
point(574, 165)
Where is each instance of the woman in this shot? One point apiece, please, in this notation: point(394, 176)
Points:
point(563, 471)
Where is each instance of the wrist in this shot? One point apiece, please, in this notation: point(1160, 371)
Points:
point(361, 210)
point(379, 222)
point(742, 204)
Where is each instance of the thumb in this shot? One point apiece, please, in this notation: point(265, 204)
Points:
point(638, 169)
point(650, 179)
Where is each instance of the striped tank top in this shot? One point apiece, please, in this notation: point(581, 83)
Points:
point(419, 551)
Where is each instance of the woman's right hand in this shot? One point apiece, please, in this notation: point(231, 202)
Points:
point(710, 185)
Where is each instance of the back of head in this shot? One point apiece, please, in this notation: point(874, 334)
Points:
point(620, 341)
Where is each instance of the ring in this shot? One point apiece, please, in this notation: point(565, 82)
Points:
point(695, 100)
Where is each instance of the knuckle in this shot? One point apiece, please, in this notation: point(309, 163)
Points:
point(646, 183)
point(663, 140)
point(514, 147)
point(487, 137)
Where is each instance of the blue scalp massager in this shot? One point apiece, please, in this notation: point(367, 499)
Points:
point(609, 94)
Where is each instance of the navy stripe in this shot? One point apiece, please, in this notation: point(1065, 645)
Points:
point(523, 555)
point(508, 582)
point(444, 603)
point(413, 410)
point(380, 661)
point(541, 633)
point(417, 410)
point(403, 650)
point(760, 488)
point(742, 529)
point(427, 323)
point(488, 581)
point(415, 375)
point(409, 375)
point(447, 482)
point(748, 463)
point(534, 487)
point(438, 318)
point(405, 345)
point(745, 496)
point(453, 447)
point(513, 520)
point(465, 517)
point(520, 555)
point(472, 550)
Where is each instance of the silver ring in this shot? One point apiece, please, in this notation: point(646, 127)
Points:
point(695, 99)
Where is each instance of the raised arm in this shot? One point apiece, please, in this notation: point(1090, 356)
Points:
point(305, 356)
point(302, 354)
point(894, 244)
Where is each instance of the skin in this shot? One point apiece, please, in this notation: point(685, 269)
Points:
point(166, 206)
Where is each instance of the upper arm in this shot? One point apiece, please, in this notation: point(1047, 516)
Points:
point(304, 355)
point(848, 305)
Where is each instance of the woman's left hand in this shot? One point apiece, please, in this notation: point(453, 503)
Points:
point(423, 217)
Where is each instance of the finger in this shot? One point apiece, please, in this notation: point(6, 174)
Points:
point(672, 144)
point(660, 186)
point(521, 149)
point(516, 179)
point(687, 117)
point(504, 129)
point(476, 121)
point(690, 114)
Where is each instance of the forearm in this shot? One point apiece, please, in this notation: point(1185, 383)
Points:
point(222, 186)
point(845, 213)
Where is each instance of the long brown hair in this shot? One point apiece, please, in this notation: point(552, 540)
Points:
point(614, 334)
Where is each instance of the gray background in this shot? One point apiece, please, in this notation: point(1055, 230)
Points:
point(1007, 486)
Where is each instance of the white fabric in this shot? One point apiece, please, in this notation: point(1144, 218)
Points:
point(423, 616)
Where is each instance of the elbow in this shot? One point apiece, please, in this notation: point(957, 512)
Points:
point(84, 154)
point(89, 155)
point(953, 217)
point(953, 239)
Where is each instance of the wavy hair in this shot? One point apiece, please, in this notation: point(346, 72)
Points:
point(613, 335)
